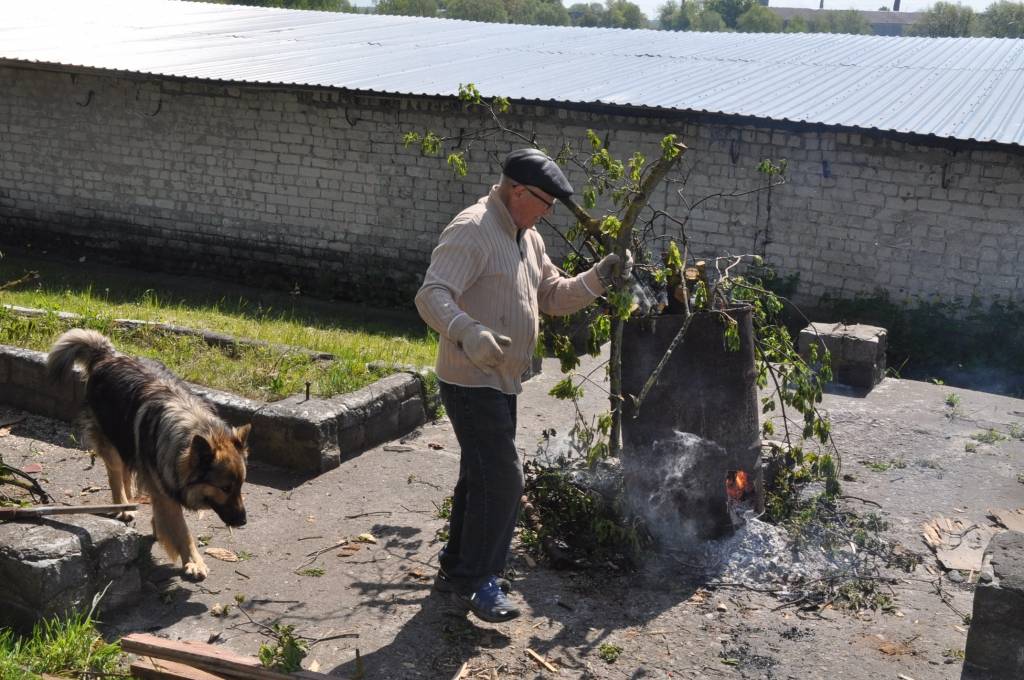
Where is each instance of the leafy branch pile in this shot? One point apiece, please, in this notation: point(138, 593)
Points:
point(670, 276)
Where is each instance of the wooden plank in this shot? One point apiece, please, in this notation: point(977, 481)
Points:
point(206, 657)
point(148, 668)
point(46, 510)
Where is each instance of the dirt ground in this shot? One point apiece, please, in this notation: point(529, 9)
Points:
point(375, 615)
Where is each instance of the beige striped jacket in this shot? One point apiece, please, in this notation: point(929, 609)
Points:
point(486, 270)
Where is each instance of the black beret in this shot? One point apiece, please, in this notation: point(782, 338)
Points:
point(534, 167)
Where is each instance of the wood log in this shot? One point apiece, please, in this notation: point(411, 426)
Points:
point(216, 660)
point(148, 668)
point(46, 510)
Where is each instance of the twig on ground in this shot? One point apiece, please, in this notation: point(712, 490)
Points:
point(862, 500)
point(317, 553)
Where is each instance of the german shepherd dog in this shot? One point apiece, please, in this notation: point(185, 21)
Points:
point(147, 426)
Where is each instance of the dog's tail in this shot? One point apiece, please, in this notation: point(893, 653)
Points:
point(79, 346)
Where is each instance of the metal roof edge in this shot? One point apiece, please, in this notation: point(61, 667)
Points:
point(927, 139)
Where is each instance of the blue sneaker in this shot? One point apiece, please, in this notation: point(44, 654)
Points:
point(489, 603)
point(443, 582)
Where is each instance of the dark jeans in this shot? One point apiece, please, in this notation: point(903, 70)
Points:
point(486, 498)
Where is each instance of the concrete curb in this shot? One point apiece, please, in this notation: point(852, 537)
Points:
point(311, 436)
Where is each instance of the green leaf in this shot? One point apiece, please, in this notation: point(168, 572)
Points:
point(431, 144)
point(668, 147)
point(410, 138)
point(457, 162)
point(468, 93)
point(611, 225)
point(673, 259)
point(564, 389)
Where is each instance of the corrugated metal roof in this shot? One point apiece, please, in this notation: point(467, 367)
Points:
point(962, 88)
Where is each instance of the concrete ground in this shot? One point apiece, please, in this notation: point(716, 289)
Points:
point(375, 616)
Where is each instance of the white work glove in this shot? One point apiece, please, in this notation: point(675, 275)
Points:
point(606, 269)
point(484, 347)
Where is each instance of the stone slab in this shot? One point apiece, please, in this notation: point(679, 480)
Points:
point(995, 641)
point(307, 435)
point(858, 351)
point(56, 565)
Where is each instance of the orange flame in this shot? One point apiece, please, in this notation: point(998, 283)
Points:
point(736, 485)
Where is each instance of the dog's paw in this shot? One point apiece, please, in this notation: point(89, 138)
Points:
point(196, 570)
point(127, 516)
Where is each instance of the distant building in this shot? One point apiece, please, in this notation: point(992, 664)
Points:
point(882, 23)
point(265, 145)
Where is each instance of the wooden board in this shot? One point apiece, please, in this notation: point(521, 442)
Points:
point(47, 510)
point(148, 668)
point(957, 545)
point(216, 660)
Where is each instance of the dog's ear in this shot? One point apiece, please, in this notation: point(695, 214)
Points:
point(243, 433)
point(202, 453)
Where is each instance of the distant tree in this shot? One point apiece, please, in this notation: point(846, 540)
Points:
point(884, 8)
point(850, 21)
point(709, 21)
point(678, 16)
point(729, 10)
point(945, 20)
point(625, 14)
point(759, 19)
point(492, 11)
point(408, 8)
point(320, 5)
point(795, 25)
point(592, 14)
point(1003, 20)
point(541, 13)
point(819, 23)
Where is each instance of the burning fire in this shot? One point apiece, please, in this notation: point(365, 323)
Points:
point(737, 485)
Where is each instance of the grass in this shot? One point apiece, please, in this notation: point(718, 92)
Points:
point(885, 465)
point(990, 436)
point(68, 647)
point(355, 335)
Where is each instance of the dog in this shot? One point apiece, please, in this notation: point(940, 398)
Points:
point(148, 427)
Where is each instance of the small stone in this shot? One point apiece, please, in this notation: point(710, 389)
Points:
point(955, 576)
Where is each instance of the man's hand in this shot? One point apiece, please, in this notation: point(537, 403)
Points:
point(606, 269)
point(484, 347)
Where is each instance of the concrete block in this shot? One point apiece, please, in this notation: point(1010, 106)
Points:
point(858, 351)
point(297, 433)
point(995, 642)
point(56, 565)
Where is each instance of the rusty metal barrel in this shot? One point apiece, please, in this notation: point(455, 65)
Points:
point(704, 389)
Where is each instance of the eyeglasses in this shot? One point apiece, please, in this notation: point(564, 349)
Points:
point(547, 204)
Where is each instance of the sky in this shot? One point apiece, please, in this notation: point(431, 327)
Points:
point(650, 7)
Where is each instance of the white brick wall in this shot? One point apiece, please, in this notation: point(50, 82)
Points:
point(282, 186)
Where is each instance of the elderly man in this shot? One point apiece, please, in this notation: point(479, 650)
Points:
point(489, 276)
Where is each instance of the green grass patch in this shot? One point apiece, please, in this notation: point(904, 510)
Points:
point(355, 335)
point(989, 436)
point(885, 465)
point(68, 647)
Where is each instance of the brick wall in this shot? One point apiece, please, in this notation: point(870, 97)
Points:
point(299, 186)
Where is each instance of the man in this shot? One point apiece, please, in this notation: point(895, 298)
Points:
point(488, 278)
